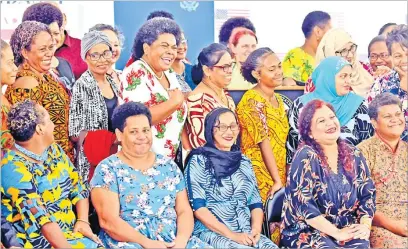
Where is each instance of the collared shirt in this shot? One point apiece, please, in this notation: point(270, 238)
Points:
point(71, 51)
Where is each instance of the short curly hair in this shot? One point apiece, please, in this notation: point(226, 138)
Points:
point(160, 13)
point(232, 23)
point(43, 12)
point(253, 62)
point(150, 31)
point(129, 109)
point(381, 100)
point(398, 35)
point(118, 33)
point(23, 36)
point(22, 119)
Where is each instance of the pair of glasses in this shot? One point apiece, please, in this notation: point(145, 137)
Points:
point(224, 128)
point(226, 68)
point(382, 56)
point(97, 56)
point(345, 52)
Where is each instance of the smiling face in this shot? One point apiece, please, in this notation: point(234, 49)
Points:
point(162, 52)
point(399, 55)
point(99, 59)
point(136, 138)
point(226, 131)
point(221, 73)
point(379, 55)
point(343, 80)
point(41, 52)
point(390, 122)
point(55, 32)
point(114, 41)
point(182, 48)
point(8, 68)
point(325, 128)
point(246, 44)
point(270, 73)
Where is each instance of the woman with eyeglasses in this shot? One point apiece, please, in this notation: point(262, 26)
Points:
point(337, 42)
point(33, 48)
point(94, 97)
point(379, 57)
point(212, 74)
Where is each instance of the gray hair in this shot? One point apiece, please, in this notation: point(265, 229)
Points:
point(253, 62)
point(23, 37)
point(150, 31)
point(118, 33)
point(91, 39)
point(398, 35)
point(22, 120)
point(381, 100)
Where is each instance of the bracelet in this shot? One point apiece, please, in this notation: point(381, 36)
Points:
point(84, 221)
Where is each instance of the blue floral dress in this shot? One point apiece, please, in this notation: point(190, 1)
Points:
point(147, 198)
point(313, 190)
point(231, 202)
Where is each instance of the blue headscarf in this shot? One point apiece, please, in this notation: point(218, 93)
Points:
point(221, 163)
point(324, 78)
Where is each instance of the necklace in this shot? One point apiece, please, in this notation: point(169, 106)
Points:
point(222, 98)
point(159, 78)
point(32, 155)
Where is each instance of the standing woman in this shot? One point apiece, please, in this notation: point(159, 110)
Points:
point(212, 74)
point(116, 39)
point(94, 97)
point(33, 48)
point(8, 76)
point(182, 67)
point(263, 120)
point(151, 81)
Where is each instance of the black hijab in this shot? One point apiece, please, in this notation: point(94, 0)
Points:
point(221, 163)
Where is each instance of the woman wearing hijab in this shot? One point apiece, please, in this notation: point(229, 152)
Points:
point(337, 42)
point(222, 188)
point(333, 79)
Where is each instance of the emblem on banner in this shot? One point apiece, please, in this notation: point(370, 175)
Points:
point(189, 5)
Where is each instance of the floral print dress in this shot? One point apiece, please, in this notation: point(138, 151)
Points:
point(313, 190)
point(51, 189)
point(139, 84)
point(147, 198)
point(231, 202)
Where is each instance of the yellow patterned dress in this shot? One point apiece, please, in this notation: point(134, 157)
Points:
point(259, 120)
point(34, 194)
point(53, 97)
point(389, 171)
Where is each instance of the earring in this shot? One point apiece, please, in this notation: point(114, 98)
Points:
point(26, 66)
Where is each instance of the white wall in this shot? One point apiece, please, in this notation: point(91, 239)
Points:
point(278, 23)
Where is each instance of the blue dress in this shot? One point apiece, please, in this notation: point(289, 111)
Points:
point(313, 190)
point(147, 198)
point(231, 203)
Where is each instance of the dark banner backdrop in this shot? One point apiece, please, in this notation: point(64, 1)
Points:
point(196, 19)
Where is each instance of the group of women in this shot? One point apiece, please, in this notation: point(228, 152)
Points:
point(233, 157)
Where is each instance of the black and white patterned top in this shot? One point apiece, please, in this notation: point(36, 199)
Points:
point(88, 112)
point(357, 129)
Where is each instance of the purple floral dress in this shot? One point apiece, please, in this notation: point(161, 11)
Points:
point(147, 199)
point(313, 190)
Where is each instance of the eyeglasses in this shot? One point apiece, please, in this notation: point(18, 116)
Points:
point(226, 68)
point(346, 51)
point(224, 128)
point(97, 56)
point(382, 56)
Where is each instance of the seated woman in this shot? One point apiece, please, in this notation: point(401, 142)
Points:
point(40, 186)
point(139, 195)
point(337, 42)
point(329, 196)
point(333, 79)
point(387, 159)
point(222, 188)
point(397, 81)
